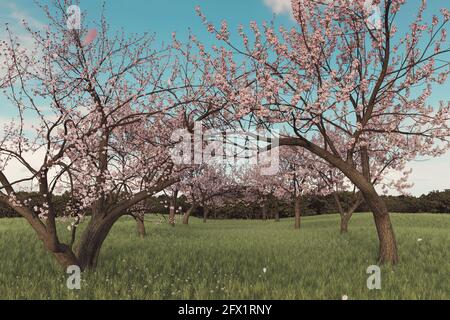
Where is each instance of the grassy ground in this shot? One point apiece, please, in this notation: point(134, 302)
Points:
point(227, 259)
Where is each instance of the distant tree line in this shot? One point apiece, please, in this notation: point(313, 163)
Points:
point(433, 202)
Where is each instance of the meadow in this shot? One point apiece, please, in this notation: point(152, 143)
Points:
point(237, 259)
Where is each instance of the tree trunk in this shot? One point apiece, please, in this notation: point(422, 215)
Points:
point(63, 253)
point(345, 218)
point(298, 212)
point(346, 215)
point(276, 211)
point(388, 245)
point(140, 226)
point(172, 208)
point(264, 211)
point(66, 257)
point(187, 214)
point(92, 240)
point(172, 214)
point(205, 214)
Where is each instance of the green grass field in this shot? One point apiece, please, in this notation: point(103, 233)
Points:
point(226, 260)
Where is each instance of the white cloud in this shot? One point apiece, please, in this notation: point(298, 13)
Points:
point(15, 171)
point(279, 6)
point(18, 15)
point(429, 175)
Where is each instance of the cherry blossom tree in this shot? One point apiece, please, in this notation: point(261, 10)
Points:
point(206, 186)
point(361, 87)
point(93, 118)
point(138, 212)
point(334, 182)
point(259, 188)
point(337, 184)
point(173, 194)
point(298, 177)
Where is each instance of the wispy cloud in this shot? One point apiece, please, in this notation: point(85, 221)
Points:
point(429, 175)
point(16, 15)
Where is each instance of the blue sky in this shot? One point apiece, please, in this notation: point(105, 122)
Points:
point(162, 17)
point(165, 16)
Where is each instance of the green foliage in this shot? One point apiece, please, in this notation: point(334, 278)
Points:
point(434, 202)
point(225, 260)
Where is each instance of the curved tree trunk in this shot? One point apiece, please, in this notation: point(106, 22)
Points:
point(388, 252)
point(63, 253)
point(86, 254)
point(140, 226)
point(92, 239)
point(66, 257)
point(345, 215)
point(345, 218)
point(388, 246)
point(298, 212)
point(187, 214)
